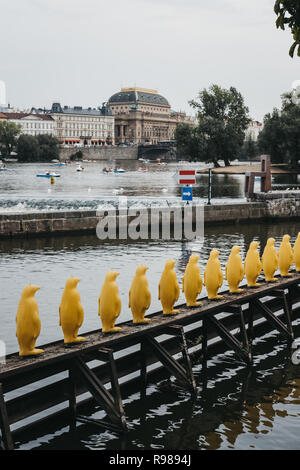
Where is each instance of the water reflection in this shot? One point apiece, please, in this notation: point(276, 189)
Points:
point(236, 408)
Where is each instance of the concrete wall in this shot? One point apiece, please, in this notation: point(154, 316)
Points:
point(17, 225)
point(101, 153)
point(280, 204)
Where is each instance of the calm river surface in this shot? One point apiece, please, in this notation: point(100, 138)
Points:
point(240, 408)
point(21, 190)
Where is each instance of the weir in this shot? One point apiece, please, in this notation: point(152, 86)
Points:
point(135, 355)
point(268, 207)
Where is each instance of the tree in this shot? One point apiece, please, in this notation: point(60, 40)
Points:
point(288, 13)
point(280, 136)
point(250, 149)
point(8, 134)
point(76, 156)
point(28, 149)
point(48, 147)
point(43, 148)
point(222, 120)
point(189, 143)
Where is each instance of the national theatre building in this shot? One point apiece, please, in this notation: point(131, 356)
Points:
point(142, 115)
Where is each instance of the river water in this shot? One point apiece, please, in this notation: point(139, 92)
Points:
point(22, 190)
point(239, 408)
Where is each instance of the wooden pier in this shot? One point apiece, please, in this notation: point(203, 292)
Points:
point(135, 354)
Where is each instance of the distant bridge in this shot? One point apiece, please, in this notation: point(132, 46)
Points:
point(166, 149)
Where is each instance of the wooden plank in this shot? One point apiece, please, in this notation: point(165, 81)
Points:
point(128, 387)
point(99, 392)
point(53, 394)
point(268, 314)
point(7, 441)
point(56, 352)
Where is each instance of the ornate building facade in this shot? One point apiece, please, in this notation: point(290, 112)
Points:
point(79, 126)
point(143, 116)
point(31, 123)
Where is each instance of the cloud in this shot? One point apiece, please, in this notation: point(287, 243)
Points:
point(83, 52)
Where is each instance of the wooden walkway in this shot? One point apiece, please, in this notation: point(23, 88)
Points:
point(138, 347)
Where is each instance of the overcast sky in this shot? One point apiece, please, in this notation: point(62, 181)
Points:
point(80, 52)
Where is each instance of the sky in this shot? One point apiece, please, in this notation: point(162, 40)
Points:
point(80, 52)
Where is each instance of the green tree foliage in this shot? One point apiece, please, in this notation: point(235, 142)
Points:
point(27, 148)
point(48, 147)
point(43, 148)
point(250, 149)
point(8, 134)
point(280, 136)
point(219, 135)
point(76, 156)
point(288, 13)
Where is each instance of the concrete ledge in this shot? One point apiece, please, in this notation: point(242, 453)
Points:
point(36, 224)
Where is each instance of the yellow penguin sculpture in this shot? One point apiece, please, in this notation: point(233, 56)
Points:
point(168, 288)
point(28, 322)
point(192, 282)
point(109, 303)
point(71, 313)
point(213, 276)
point(252, 265)
point(139, 295)
point(285, 256)
point(234, 270)
point(269, 260)
point(297, 253)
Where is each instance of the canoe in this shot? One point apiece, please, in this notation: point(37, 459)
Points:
point(48, 176)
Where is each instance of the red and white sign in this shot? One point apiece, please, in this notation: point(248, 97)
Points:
point(187, 177)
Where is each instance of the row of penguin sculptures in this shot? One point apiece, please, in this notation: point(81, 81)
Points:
point(71, 313)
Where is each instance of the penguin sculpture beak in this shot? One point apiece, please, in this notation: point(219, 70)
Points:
point(36, 288)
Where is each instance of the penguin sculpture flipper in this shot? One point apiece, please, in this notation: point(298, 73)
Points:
point(177, 292)
point(99, 306)
point(129, 302)
point(147, 300)
point(80, 315)
point(200, 284)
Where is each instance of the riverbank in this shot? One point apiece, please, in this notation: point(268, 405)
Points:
point(267, 207)
point(101, 153)
point(242, 169)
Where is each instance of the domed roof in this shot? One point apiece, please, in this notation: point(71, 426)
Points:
point(135, 95)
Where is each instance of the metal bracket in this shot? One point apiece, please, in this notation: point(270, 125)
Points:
point(112, 405)
point(236, 309)
point(277, 323)
point(183, 375)
point(241, 349)
point(286, 307)
point(6, 443)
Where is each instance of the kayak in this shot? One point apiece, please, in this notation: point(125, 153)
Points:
point(49, 176)
point(120, 170)
point(60, 164)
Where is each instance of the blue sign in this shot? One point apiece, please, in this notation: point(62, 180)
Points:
point(187, 194)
